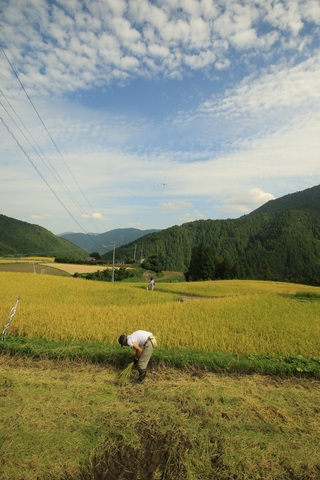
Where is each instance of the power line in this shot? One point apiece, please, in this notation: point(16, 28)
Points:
point(45, 181)
point(50, 167)
point(47, 131)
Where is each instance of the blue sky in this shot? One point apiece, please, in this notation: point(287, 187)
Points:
point(149, 114)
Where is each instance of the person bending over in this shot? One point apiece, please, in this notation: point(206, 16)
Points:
point(143, 343)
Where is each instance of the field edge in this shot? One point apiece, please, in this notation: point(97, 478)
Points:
point(111, 355)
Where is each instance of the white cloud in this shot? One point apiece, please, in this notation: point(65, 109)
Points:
point(191, 217)
point(244, 39)
point(200, 61)
point(148, 15)
point(95, 216)
point(257, 124)
point(285, 87)
point(286, 16)
point(188, 34)
point(124, 31)
point(199, 33)
point(128, 63)
point(246, 201)
point(38, 216)
point(98, 216)
point(158, 50)
point(175, 205)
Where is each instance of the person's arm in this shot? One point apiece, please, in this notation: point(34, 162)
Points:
point(137, 349)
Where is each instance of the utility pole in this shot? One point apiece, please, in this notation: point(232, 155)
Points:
point(113, 258)
point(135, 250)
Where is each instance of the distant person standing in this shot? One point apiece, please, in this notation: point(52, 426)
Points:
point(151, 284)
point(143, 343)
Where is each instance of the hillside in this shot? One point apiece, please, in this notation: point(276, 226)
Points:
point(103, 242)
point(22, 238)
point(280, 243)
point(309, 197)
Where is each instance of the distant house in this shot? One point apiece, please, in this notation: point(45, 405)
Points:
point(90, 259)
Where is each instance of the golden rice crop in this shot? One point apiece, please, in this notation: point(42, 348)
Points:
point(26, 259)
point(227, 316)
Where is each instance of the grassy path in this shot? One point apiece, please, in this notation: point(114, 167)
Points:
point(73, 420)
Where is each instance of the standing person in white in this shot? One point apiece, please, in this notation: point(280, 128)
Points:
point(143, 343)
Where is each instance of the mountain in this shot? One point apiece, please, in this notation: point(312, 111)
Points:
point(278, 241)
point(22, 238)
point(103, 242)
point(310, 196)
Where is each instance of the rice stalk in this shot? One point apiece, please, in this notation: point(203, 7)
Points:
point(125, 373)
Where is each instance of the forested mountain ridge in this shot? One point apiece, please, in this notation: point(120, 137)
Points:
point(278, 241)
point(102, 242)
point(22, 238)
point(309, 197)
point(281, 244)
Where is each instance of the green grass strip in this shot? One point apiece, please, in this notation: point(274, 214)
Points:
point(283, 366)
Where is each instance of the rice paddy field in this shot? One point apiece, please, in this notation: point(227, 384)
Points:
point(227, 316)
point(72, 419)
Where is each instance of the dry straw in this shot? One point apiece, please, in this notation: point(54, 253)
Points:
point(125, 373)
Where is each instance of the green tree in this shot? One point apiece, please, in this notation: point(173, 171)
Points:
point(153, 263)
point(202, 264)
point(95, 255)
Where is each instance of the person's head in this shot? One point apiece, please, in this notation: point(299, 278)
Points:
point(122, 340)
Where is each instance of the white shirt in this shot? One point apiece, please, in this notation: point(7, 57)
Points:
point(139, 337)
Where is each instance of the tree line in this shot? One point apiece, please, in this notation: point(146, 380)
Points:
point(270, 246)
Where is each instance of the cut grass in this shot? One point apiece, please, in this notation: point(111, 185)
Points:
point(71, 420)
point(47, 418)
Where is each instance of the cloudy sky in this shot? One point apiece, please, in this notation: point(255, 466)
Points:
point(148, 114)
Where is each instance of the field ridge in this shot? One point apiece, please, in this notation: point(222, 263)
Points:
point(218, 362)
